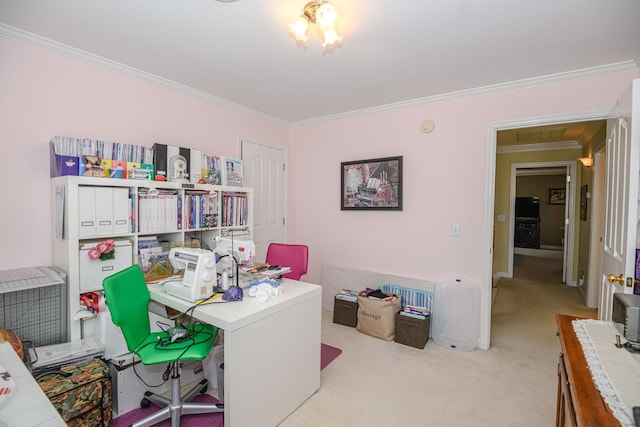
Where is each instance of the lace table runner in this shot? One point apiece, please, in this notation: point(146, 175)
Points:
point(615, 371)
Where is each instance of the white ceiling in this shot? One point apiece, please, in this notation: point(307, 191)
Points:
point(393, 52)
point(579, 134)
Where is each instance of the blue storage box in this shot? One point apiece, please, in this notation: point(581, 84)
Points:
point(410, 296)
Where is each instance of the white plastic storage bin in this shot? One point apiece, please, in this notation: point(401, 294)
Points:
point(101, 326)
point(456, 315)
point(128, 389)
point(213, 366)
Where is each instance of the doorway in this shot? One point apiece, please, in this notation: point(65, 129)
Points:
point(542, 209)
point(540, 227)
point(497, 207)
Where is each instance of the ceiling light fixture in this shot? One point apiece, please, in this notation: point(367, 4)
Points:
point(321, 13)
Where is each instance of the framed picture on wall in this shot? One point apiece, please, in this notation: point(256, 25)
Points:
point(583, 202)
point(557, 196)
point(373, 184)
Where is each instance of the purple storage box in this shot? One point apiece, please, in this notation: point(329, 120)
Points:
point(62, 165)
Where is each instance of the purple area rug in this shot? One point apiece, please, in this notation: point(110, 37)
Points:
point(327, 355)
point(196, 420)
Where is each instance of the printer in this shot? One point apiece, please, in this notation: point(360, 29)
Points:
point(199, 277)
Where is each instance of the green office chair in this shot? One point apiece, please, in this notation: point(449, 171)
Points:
point(127, 297)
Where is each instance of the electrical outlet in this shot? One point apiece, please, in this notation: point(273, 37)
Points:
point(455, 230)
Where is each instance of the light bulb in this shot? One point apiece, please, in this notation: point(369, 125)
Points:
point(330, 36)
point(299, 28)
point(326, 15)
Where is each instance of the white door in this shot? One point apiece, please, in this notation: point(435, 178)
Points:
point(621, 201)
point(265, 171)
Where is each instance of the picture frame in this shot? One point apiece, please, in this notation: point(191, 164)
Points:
point(584, 191)
point(557, 196)
point(371, 184)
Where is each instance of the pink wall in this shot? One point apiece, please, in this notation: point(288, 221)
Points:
point(43, 94)
point(444, 179)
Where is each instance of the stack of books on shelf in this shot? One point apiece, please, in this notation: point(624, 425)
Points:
point(159, 212)
point(108, 159)
point(96, 158)
point(78, 147)
point(201, 209)
point(347, 295)
point(235, 209)
point(414, 311)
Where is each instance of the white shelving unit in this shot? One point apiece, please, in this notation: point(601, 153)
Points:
point(90, 210)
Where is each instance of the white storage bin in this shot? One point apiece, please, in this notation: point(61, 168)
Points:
point(456, 315)
point(102, 327)
point(93, 271)
point(212, 367)
point(128, 390)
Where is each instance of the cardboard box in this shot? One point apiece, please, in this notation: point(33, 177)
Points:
point(345, 312)
point(412, 331)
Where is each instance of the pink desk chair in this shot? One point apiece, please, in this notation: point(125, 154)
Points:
point(294, 256)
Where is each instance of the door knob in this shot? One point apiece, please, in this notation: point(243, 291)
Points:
point(612, 278)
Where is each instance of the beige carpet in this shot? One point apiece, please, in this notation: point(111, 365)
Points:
point(379, 383)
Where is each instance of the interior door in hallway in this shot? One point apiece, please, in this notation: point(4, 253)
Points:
point(621, 200)
point(265, 171)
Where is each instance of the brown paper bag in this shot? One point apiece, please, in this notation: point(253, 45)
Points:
point(377, 317)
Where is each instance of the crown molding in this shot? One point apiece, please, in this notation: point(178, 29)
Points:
point(542, 146)
point(90, 58)
point(66, 50)
point(614, 68)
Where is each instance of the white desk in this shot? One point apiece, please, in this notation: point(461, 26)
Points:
point(271, 351)
point(30, 406)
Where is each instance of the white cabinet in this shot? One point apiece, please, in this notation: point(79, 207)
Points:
point(92, 210)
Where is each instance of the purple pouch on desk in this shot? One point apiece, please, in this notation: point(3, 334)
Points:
point(234, 293)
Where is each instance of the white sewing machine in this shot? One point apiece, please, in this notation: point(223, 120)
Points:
point(199, 278)
point(231, 253)
point(242, 250)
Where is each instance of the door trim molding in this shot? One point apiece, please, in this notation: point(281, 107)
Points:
point(490, 182)
point(595, 246)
